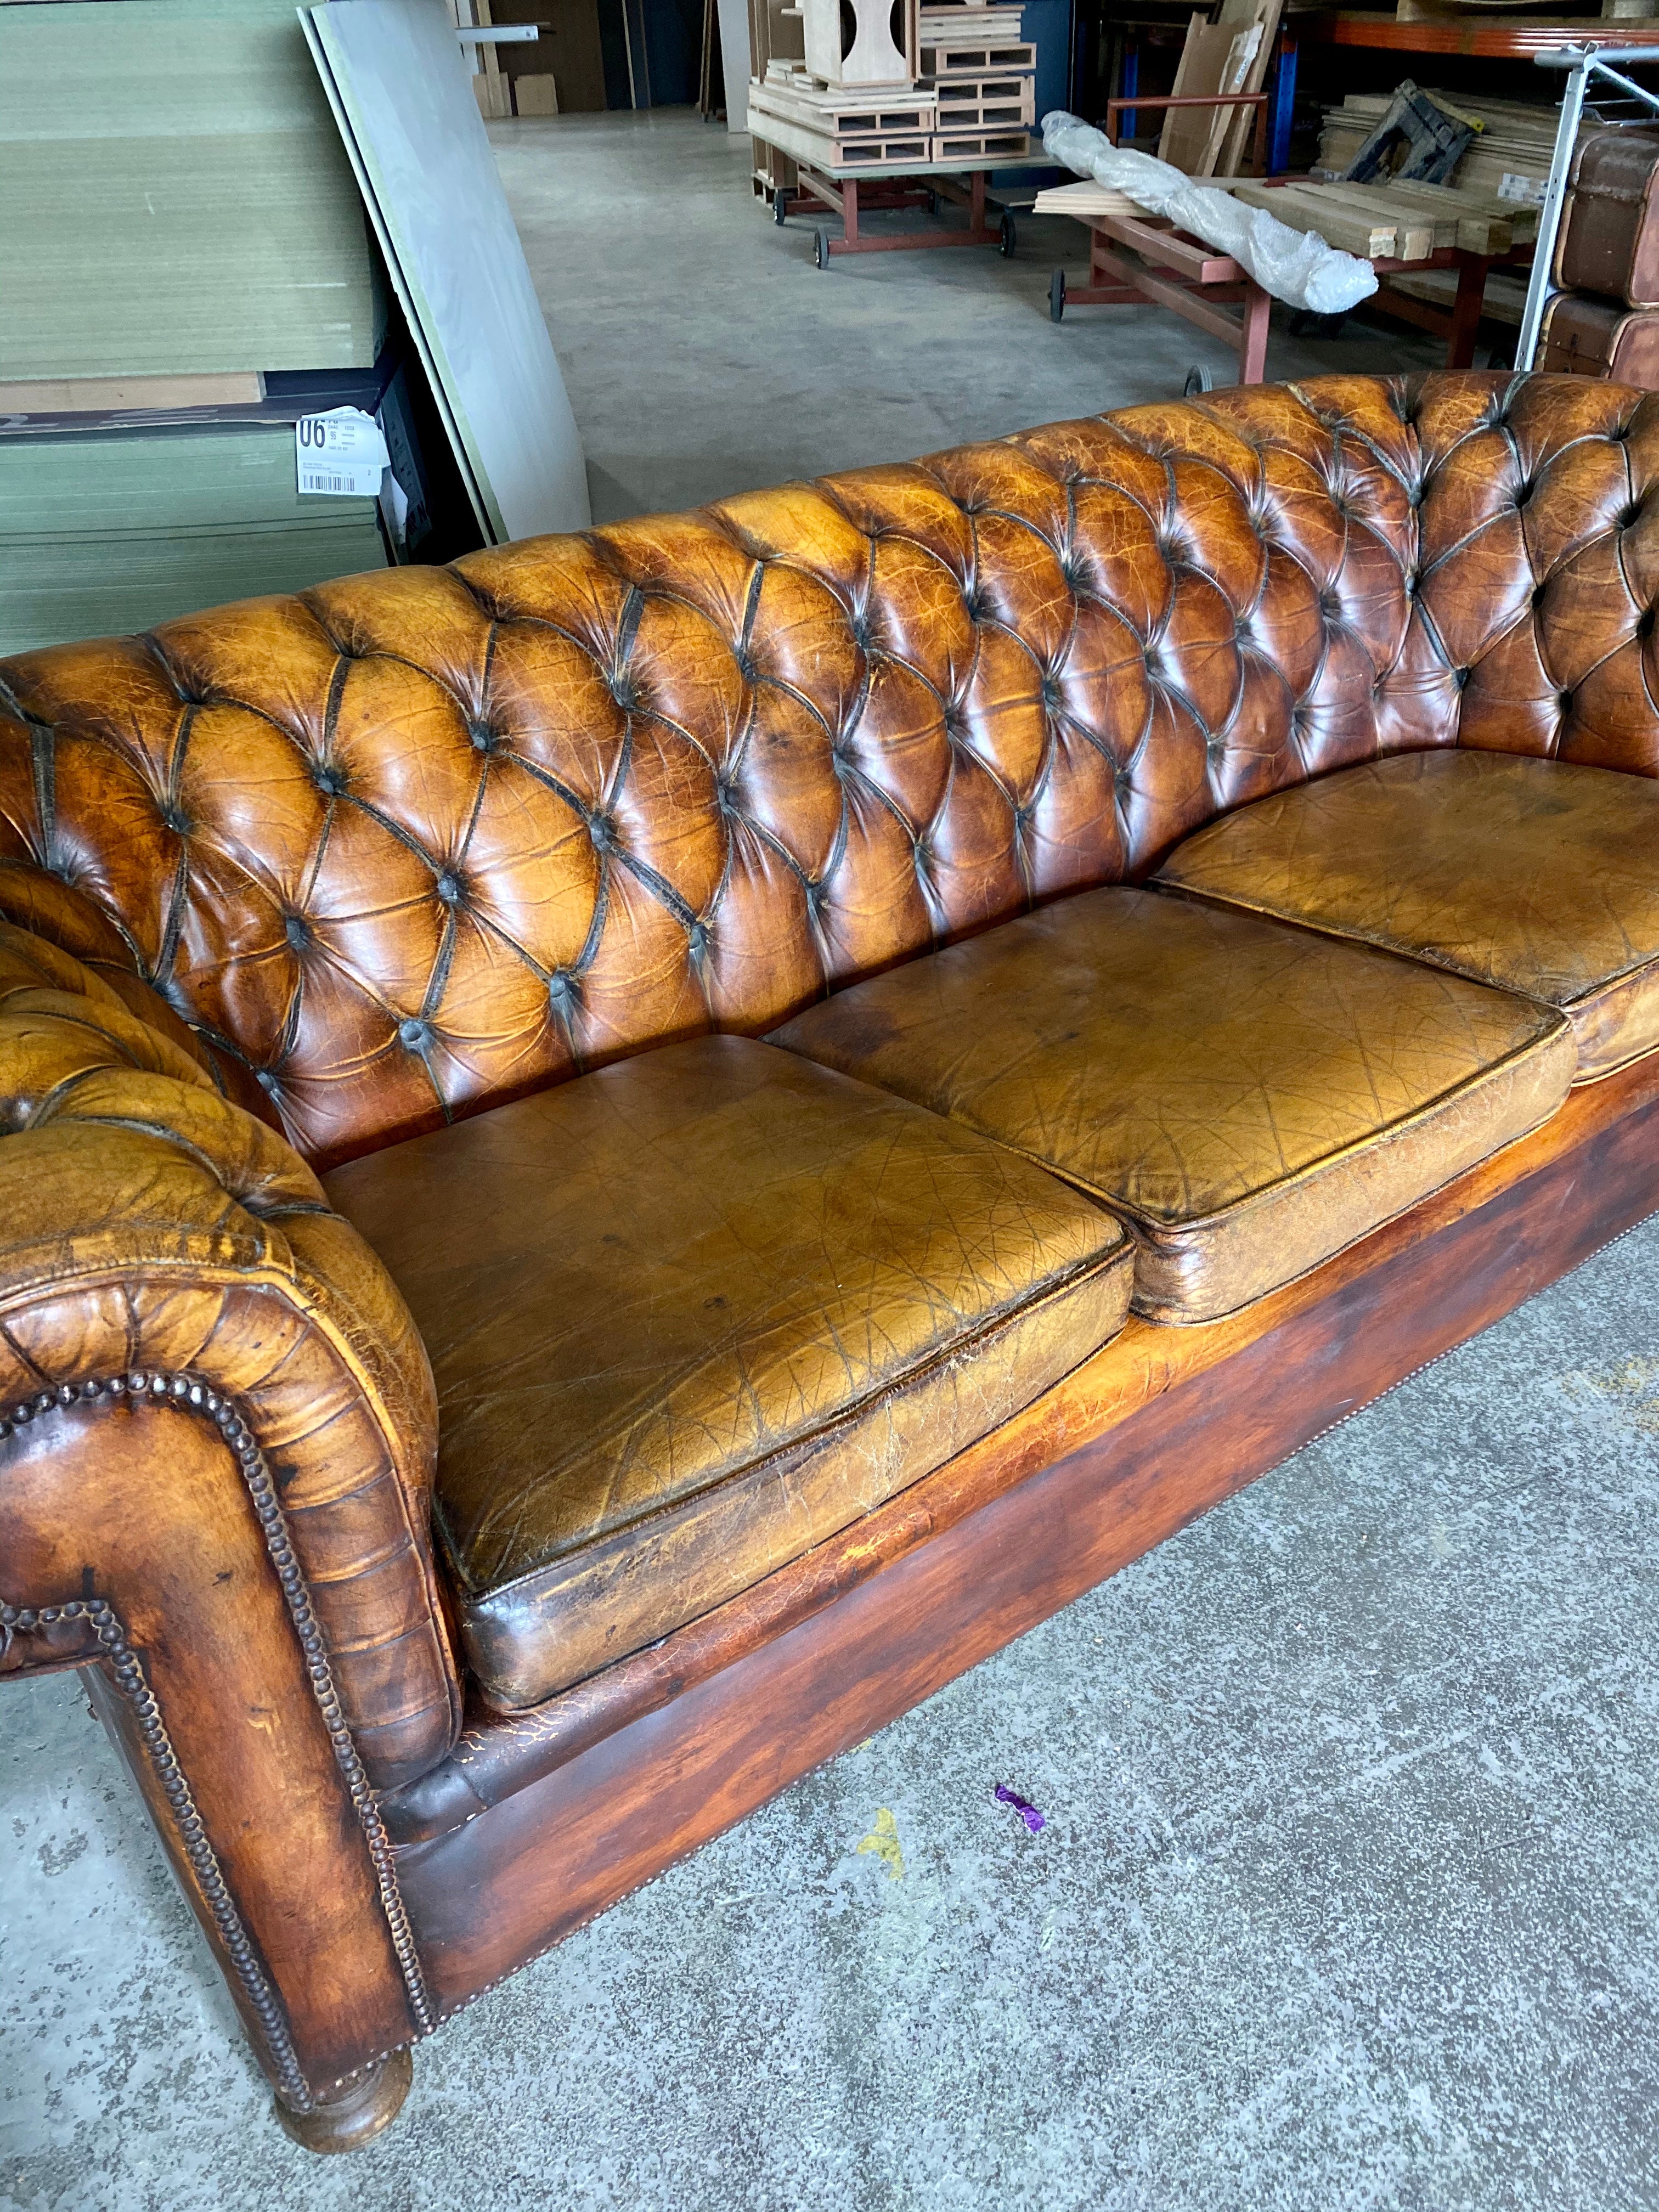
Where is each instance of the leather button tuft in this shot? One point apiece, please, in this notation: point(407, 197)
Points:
point(602, 830)
point(297, 931)
point(696, 939)
point(449, 887)
point(561, 987)
point(265, 1079)
point(331, 779)
point(1632, 513)
point(414, 1035)
point(484, 739)
point(623, 690)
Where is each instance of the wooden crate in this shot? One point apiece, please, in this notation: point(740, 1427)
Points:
point(976, 145)
point(987, 103)
point(963, 58)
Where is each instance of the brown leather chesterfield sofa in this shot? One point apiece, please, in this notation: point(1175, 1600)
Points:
point(621, 1158)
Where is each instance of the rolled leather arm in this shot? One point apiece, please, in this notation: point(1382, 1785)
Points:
point(155, 1236)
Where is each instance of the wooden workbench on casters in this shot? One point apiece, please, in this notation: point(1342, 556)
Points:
point(1200, 284)
point(852, 193)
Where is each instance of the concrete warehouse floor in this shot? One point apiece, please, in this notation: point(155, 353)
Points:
point(705, 354)
point(1349, 1892)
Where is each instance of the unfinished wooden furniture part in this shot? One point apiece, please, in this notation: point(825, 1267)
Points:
point(860, 42)
point(532, 1309)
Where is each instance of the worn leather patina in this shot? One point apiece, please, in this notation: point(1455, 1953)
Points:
point(1539, 876)
point(1250, 1099)
point(149, 1225)
point(695, 1313)
point(395, 966)
point(418, 841)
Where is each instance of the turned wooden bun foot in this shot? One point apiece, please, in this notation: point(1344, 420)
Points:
point(372, 2103)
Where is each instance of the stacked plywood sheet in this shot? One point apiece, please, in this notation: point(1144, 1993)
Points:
point(1508, 158)
point(112, 533)
point(176, 200)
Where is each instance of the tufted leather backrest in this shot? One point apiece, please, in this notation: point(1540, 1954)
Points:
point(420, 839)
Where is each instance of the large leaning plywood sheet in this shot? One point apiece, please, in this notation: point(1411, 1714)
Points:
point(397, 80)
point(174, 200)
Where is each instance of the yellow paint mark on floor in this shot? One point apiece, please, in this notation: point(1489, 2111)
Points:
point(882, 1840)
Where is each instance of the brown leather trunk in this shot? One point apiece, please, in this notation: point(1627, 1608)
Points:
point(1609, 238)
point(1586, 336)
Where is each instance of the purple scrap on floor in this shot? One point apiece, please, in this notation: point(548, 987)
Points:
point(1027, 1812)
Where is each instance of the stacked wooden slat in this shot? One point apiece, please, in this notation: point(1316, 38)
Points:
point(1393, 221)
point(1509, 159)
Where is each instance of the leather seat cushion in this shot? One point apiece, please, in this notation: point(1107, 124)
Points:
point(692, 1314)
point(1251, 1098)
point(1540, 876)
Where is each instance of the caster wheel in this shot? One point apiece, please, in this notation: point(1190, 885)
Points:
point(780, 205)
point(821, 248)
point(1056, 295)
point(1198, 379)
point(1006, 238)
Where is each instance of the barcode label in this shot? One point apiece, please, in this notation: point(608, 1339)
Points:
point(1525, 191)
point(339, 455)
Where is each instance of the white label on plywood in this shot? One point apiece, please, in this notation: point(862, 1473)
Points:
point(339, 455)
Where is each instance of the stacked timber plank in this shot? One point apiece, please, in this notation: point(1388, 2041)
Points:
point(1393, 221)
point(1085, 198)
point(1508, 158)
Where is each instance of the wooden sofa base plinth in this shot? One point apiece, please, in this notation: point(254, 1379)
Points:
point(372, 2103)
point(538, 1822)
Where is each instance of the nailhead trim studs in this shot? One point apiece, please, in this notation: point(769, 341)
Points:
point(192, 1393)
